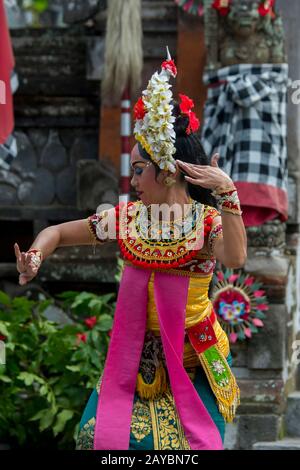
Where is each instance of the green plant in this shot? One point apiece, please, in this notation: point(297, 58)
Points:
point(38, 6)
point(35, 8)
point(50, 369)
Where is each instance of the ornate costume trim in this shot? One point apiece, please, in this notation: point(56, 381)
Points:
point(152, 377)
point(94, 223)
point(141, 423)
point(214, 235)
point(222, 381)
point(136, 246)
point(85, 439)
point(167, 429)
point(228, 200)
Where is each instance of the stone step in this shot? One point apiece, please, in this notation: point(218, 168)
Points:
point(288, 443)
point(292, 415)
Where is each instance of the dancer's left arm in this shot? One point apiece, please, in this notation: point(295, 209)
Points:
point(231, 248)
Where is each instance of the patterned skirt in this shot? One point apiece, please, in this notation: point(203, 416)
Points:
point(155, 423)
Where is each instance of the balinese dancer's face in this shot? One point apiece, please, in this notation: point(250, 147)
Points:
point(149, 190)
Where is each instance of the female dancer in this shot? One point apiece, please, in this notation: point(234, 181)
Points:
point(167, 381)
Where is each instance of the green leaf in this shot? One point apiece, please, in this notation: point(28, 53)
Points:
point(73, 368)
point(81, 298)
point(5, 378)
point(3, 328)
point(106, 298)
point(43, 390)
point(46, 420)
point(29, 378)
point(260, 315)
point(69, 294)
point(105, 322)
point(4, 299)
point(253, 328)
point(61, 420)
point(94, 302)
point(39, 415)
point(40, 5)
point(227, 273)
point(256, 286)
point(44, 304)
point(241, 335)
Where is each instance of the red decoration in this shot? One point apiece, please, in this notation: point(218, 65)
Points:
point(194, 123)
point(266, 8)
point(6, 67)
point(81, 337)
point(186, 106)
point(139, 109)
point(239, 302)
point(195, 7)
point(202, 335)
point(170, 66)
point(222, 6)
point(90, 322)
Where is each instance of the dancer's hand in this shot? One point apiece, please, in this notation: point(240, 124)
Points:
point(27, 265)
point(207, 176)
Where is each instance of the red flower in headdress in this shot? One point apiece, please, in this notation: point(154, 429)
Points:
point(170, 66)
point(139, 109)
point(186, 106)
point(194, 123)
point(266, 8)
point(223, 6)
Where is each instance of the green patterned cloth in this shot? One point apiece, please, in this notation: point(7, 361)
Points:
point(155, 423)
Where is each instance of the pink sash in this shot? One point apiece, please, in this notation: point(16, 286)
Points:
point(116, 396)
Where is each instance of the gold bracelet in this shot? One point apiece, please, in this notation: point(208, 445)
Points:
point(223, 189)
point(228, 201)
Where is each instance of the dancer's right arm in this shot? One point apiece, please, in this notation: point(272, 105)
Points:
point(76, 232)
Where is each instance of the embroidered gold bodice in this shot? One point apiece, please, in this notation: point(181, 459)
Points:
point(198, 265)
point(190, 255)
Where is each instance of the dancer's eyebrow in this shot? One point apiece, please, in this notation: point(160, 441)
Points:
point(137, 161)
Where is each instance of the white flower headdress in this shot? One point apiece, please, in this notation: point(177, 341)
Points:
point(154, 121)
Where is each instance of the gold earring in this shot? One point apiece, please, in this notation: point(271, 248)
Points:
point(169, 181)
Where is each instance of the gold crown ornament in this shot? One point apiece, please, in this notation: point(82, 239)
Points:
point(154, 121)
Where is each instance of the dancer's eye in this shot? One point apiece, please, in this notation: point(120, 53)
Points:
point(138, 170)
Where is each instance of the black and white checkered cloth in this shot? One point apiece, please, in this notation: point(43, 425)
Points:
point(8, 150)
point(245, 121)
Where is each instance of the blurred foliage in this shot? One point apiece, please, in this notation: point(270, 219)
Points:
point(38, 6)
point(50, 368)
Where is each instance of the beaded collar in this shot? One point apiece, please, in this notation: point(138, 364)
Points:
point(158, 250)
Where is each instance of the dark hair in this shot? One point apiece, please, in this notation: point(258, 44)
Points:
point(188, 149)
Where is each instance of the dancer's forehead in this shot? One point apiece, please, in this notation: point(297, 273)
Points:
point(136, 158)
